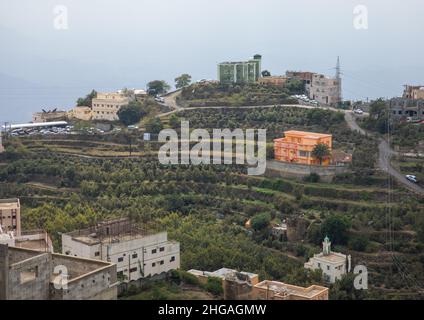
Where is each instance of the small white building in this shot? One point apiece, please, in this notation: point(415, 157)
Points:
point(138, 254)
point(332, 264)
point(279, 231)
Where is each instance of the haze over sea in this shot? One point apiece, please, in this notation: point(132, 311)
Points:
point(114, 44)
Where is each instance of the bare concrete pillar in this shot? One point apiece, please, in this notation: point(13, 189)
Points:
point(4, 271)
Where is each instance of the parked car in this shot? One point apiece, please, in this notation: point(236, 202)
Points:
point(358, 111)
point(411, 178)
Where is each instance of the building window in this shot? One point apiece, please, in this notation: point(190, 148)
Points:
point(97, 253)
point(162, 249)
point(304, 154)
point(120, 259)
point(172, 259)
point(153, 264)
point(29, 275)
point(162, 262)
point(134, 255)
point(328, 267)
point(133, 269)
point(153, 251)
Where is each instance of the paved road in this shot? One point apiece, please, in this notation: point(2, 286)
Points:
point(385, 153)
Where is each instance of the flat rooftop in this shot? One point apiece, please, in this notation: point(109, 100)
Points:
point(76, 267)
point(118, 230)
point(306, 134)
point(334, 257)
point(283, 289)
point(9, 203)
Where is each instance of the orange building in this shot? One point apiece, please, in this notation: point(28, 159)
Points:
point(297, 147)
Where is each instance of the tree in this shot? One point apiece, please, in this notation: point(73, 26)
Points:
point(132, 113)
point(336, 227)
point(261, 221)
point(321, 151)
point(157, 87)
point(174, 121)
point(87, 100)
point(295, 86)
point(182, 81)
point(266, 73)
point(214, 286)
point(154, 125)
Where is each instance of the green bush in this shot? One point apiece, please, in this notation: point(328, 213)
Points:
point(214, 286)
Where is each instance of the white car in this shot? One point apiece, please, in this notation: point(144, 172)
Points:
point(358, 111)
point(411, 178)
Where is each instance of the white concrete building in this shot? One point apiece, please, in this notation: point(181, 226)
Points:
point(332, 264)
point(324, 90)
point(137, 254)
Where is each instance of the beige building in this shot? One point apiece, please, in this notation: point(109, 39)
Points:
point(413, 92)
point(33, 275)
point(49, 116)
point(274, 290)
point(277, 81)
point(10, 216)
point(81, 113)
point(332, 264)
point(106, 105)
point(324, 90)
point(137, 253)
point(33, 239)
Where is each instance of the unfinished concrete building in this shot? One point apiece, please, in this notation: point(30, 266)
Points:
point(137, 253)
point(10, 215)
point(33, 275)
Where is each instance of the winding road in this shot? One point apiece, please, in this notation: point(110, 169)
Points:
point(384, 151)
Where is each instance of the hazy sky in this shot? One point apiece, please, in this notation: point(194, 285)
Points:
point(112, 44)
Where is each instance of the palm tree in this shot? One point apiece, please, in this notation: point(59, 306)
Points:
point(321, 151)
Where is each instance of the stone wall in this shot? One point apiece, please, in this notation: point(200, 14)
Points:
point(293, 170)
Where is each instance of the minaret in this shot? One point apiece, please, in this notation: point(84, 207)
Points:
point(339, 81)
point(326, 246)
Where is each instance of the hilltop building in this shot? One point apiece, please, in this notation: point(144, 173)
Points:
point(49, 116)
point(32, 275)
point(325, 90)
point(402, 108)
point(81, 113)
point(240, 72)
point(10, 216)
point(297, 147)
point(413, 92)
point(333, 264)
point(277, 81)
point(106, 105)
point(137, 253)
point(304, 76)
